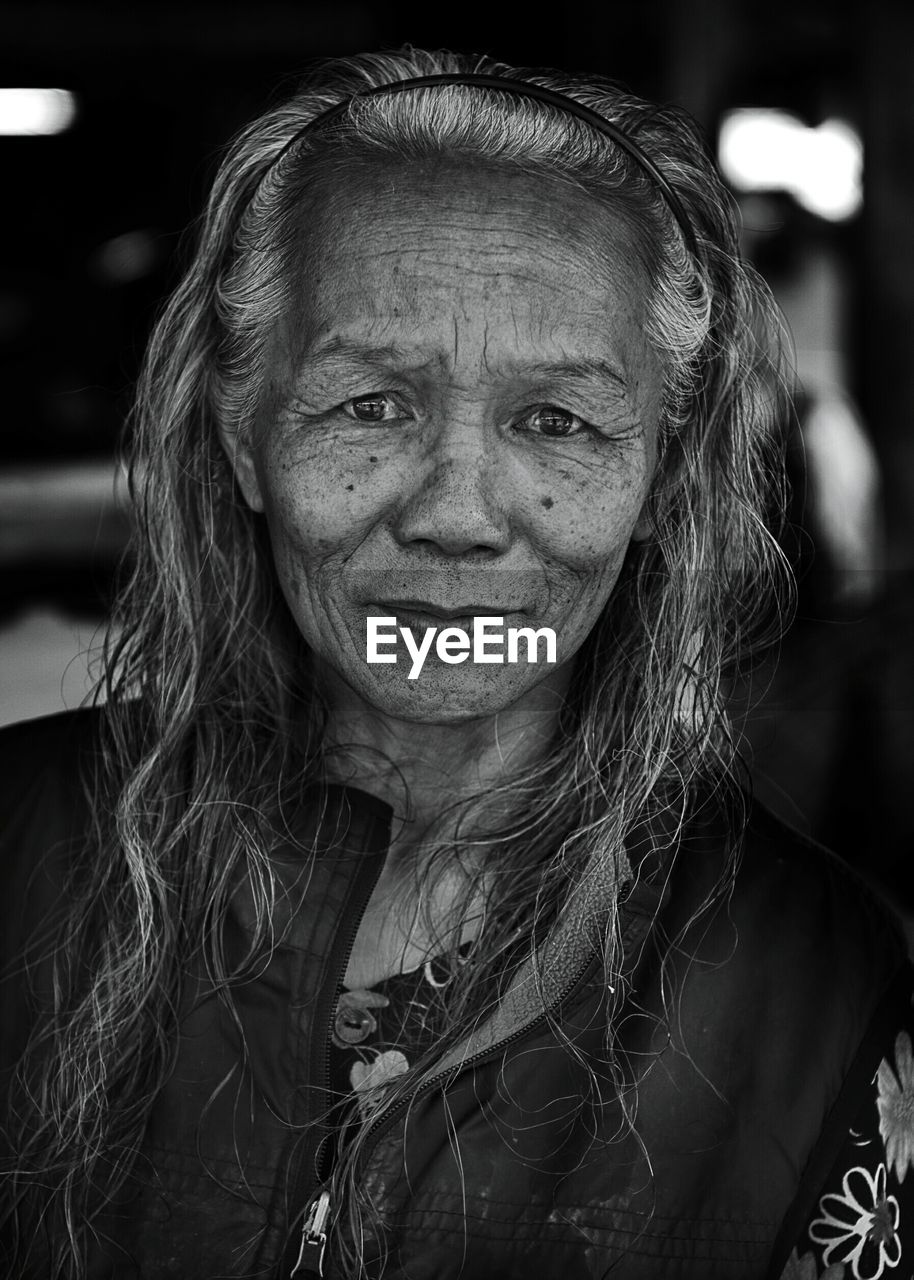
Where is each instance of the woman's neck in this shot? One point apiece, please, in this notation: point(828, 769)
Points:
point(429, 773)
point(422, 769)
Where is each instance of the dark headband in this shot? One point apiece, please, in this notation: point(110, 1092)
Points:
point(521, 89)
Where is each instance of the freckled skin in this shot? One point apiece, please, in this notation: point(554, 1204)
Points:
point(465, 492)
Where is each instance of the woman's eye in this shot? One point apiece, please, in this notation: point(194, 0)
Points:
point(550, 420)
point(377, 407)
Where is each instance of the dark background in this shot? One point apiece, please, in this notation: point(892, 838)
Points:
point(90, 234)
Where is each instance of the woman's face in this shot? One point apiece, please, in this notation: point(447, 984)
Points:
point(460, 420)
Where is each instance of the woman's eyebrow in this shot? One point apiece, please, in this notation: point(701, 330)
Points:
point(344, 353)
point(343, 359)
point(592, 368)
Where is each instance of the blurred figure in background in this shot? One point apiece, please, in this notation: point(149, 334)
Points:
point(829, 718)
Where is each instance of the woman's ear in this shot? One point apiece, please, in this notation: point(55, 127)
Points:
point(238, 450)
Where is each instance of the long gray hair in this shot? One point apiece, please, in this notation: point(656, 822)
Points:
point(213, 720)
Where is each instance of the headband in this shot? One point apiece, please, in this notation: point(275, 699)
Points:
point(520, 89)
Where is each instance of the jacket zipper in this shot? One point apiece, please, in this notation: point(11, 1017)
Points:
point(313, 1239)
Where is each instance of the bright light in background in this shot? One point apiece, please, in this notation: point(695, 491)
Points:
point(35, 112)
point(767, 150)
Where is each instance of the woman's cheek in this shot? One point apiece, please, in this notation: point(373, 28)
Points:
point(583, 510)
point(575, 532)
point(317, 520)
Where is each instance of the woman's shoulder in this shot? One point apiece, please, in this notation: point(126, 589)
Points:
point(791, 981)
point(46, 754)
point(804, 895)
point(52, 730)
point(45, 806)
point(48, 734)
point(45, 814)
point(796, 952)
point(754, 884)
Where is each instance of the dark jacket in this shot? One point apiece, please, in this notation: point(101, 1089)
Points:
point(749, 1050)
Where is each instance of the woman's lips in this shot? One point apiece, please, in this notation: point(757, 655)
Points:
point(452, 611)
point(418, 614)
point(421, 622)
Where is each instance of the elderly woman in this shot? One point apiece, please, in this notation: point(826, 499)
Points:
point(358, 936)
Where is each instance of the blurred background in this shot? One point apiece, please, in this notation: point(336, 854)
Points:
point(111, 121)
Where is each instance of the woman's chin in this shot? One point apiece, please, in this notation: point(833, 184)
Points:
point(446, 696)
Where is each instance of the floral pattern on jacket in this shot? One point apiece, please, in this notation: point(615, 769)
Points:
point(863, 1224)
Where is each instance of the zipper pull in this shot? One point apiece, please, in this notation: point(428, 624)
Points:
point(310, 1259)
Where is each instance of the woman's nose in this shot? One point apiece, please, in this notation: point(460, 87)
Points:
point(454, 498)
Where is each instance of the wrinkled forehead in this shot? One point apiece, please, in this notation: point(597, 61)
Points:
point(385, 245)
